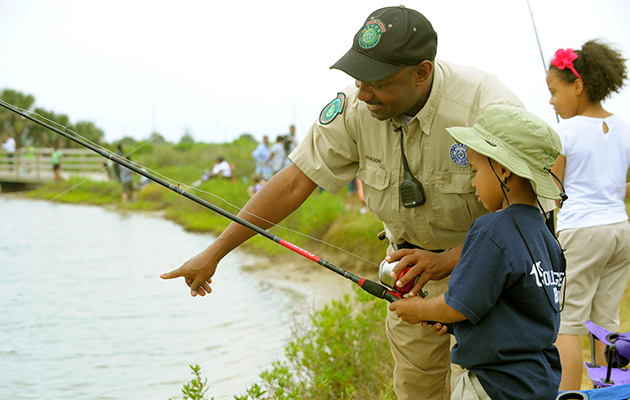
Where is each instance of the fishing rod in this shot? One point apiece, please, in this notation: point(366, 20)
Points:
point(542, 57)
point(373, 288)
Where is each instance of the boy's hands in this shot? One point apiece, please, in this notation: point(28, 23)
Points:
point(408, 309)
point(438, 328)
point(414, 310)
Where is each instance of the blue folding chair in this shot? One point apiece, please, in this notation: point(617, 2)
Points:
point(621, 392)
point(610, 382)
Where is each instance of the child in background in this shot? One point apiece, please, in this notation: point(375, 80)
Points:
point(258, 183)
point(56, 162)
point(593, 224)
point(126, 180)
point(503, 294)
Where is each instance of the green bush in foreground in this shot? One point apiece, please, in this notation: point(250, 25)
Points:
point(195, 389)
point(343, 355)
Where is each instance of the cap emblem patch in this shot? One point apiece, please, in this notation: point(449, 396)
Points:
point(371, 34)
point(458, 155)
point(332, 109)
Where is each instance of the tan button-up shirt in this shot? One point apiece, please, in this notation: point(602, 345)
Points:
point(332, 153)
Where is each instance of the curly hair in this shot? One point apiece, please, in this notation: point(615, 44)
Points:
point(602, 68)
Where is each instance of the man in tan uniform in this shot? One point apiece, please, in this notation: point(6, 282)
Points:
point(400, 104)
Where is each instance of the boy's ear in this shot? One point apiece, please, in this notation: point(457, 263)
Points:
point(505, 173)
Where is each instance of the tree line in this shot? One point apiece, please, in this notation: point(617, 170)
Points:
point(28, 133)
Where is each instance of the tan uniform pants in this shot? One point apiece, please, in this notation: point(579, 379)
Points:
point(423, 364)
point(468, 387)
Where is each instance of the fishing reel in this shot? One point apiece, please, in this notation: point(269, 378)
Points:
point(384, 271)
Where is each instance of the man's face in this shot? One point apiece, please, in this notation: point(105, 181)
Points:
point(395, 95)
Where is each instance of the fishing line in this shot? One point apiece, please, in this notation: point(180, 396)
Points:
point(374, 288)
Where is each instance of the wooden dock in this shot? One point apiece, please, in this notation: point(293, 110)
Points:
point(27, 169)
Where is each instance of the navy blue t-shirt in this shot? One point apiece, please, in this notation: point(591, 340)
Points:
point(510, 303)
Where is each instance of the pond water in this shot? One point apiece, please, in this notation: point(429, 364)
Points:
point(84, 314)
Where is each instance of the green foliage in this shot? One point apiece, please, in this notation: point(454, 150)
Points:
point(195, 389)
point(89, 131)
point(186, 138)
point(247, 137)
point(127, 143)
point(78, 190)
point(11, 123)
point(27, 133)
point(157, 139)
point(344, 355)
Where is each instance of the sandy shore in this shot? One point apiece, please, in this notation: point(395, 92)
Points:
point(319, 283)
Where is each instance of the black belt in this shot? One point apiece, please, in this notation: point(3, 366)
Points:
point(407, 245)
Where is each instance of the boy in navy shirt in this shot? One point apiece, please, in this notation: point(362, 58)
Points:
point(503, 295)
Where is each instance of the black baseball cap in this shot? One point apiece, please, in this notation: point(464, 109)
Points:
point(390, 39)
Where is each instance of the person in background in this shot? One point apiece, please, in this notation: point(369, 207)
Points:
point(30, 158)
point(144, 181)
point(121, 153)
point(276, 156)
point(56, 162)
point(9, 147)
point(353, 188)
point(593, 224)
point(258, 184)
point(401, 101)
point(290, 143)
point(261, 155)
point(221, 168)
point(126, 181)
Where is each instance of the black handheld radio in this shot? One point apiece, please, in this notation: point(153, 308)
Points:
point(411, 190)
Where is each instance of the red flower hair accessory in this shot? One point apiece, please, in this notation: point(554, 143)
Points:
point(564, 59)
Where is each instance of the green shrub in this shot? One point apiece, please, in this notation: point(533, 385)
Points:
point(343, 355)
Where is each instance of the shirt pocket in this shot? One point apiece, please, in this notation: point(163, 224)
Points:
point(454, 202)
point(375, 182)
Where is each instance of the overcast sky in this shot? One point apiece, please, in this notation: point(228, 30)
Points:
point(220, 69)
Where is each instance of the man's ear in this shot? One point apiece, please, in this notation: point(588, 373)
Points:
point(424, 71)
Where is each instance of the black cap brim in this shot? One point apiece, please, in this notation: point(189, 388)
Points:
point(364, 68)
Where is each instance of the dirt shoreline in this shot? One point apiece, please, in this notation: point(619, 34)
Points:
point(320, 284)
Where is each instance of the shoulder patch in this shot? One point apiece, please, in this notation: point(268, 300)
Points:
point(332, 109)
point(458, 155)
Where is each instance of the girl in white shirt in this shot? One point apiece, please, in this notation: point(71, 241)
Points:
point(593, 223)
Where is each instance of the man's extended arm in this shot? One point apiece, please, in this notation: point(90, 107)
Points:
point(277, 199)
